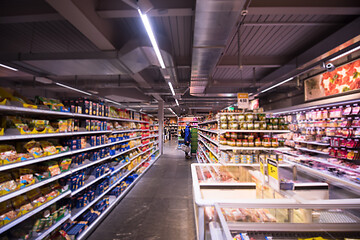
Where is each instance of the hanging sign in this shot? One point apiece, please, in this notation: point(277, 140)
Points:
point(273, 172)
point(243, 100)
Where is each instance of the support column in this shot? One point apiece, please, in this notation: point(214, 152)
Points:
point(161, 126)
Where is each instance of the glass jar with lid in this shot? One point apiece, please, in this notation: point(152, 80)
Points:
point(249, 117)
point(241, 117)
point(223, 125)
point(257, 125)
point(250, 125)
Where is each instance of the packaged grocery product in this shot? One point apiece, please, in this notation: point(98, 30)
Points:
point(48, 148)
point(347, 110)
point(35, 197)
point(24, 177)
point(34, 148)
point(39, 125)
point(47, 170)
point(7, 213)
point(7, 184)
point(65, 164)
point(21, 205)
point(355, 110)
point(8, 155)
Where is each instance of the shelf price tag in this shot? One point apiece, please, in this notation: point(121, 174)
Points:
point(243, 100)
point(273, 172)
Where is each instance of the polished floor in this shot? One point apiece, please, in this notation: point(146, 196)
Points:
point(158, 207)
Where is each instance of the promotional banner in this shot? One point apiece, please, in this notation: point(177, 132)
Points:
point(343, 79)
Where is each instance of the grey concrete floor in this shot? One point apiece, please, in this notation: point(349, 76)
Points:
point(158, 207)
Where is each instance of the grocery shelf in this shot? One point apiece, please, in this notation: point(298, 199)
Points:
point(113, 204)
point(210, 149)
point(147, 144)
point(211, 131)
point(187, 121)
point(86, 165)
point(209, 139)
point(45, 233)
point(142, 138)
point(31, 187)
point(334, 179)
point(33, 212)
point(311, 150)
point(125, 131)
point(225, 147)
point(144, 130)
point(335, 165)
point(59, 155)
point(210, 121)
point(120, 167)
point(154, 130)
point(86, 185)
point(253, 131)
point(314, 143)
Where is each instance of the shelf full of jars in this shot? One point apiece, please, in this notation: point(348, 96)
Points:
point(64, 165)
point(241, 137)
point(326, 141)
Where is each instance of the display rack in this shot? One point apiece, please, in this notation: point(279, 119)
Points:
point(74, 214)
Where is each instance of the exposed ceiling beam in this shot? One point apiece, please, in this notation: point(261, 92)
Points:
point(253, 61)
point(312, 57)
point(81, 14)
point(303, 24)
point(304, 7)
point(172, 12)
point(46, 17)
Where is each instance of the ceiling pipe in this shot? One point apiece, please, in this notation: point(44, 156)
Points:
point(214, 21)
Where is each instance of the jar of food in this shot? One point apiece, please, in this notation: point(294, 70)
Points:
point(224, 125)
point(232, 142)
point(257, 142)
point(274, 142)
point(233, 135)
point(231, 117)
point(275, 127)
point(227, 135)
point(266, 142)
point(241, 117)
point(234, 125)
point(251, 143)
point(275, 121)
point(250, 125)
point(262, 125)
point(269, 126)
point(245, 143)
point(281, 120)
point(223, 118)
point(249, 117)
point(242, 125)
point(223, 141)
point(239, 143)
point(250, 137)
point(257, 125)
point(261, 116)
point(281, 142)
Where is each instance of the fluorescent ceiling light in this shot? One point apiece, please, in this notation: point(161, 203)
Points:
point(172, 111)
point(74, 89)
point(171, 88)
point(276, 85)
point(108, 100)
point(177, 103)
point(151, 35)
point(43, 80)
point(345, 53)
point(4, 66)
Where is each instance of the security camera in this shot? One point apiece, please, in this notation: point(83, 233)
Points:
point(329, 67)
point(244, 12)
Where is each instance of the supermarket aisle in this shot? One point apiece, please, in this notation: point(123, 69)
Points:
point(158, 207)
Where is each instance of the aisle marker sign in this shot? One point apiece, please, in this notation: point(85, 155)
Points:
point(243, 100)
point(273, 171)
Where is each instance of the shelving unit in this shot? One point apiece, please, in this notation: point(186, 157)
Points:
point(75, 213)
point(311, 150)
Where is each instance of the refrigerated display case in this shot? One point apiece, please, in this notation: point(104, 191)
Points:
point(252, 185)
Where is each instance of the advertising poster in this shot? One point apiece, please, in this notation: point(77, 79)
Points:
point(343, 79)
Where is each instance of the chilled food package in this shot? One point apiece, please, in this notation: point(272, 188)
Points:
point(7, 213)
point(7, 184)
point(65, 164)
point(35, 197)
point(39, 125)
point(24, 177)
point(8, 155)
point(34, 148)
point(48, 148)
point(48, 169)
point(21, 205)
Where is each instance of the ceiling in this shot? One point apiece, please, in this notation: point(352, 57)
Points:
point(212, 48)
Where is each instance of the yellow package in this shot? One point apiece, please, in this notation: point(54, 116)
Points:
point(22, 205)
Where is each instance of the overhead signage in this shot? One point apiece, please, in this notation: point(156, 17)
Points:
point(243, 100)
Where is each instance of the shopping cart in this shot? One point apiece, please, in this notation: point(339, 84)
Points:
point(186, 149)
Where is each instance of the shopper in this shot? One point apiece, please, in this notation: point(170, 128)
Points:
point(187, 138)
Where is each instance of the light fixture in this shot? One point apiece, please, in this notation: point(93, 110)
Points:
point(344, 54)
point(172, 111)
point(276, 85)
point(74, 89)
point(43, 80)
point(177, 103)
point(151, 35)
point(4, 66)
point(171, 88)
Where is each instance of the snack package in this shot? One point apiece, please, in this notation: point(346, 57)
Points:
point(7, 184)
point(40, 125)
point(48, 148)
point(7, 213)
point(65, 164)
point(48, 169)
point(61, 125)
point(22, 205)
point(34, 148)
point(35, 197)
point(8, 155)
point(17, 122)
point(24, 177)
